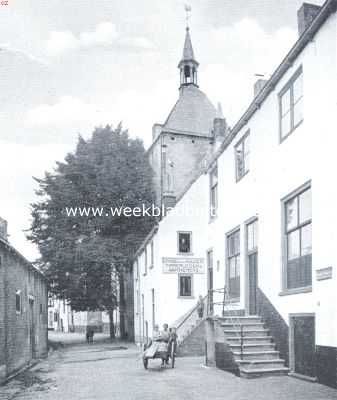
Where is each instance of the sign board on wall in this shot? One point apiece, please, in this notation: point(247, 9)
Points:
point(324, 273)
point(179, 265)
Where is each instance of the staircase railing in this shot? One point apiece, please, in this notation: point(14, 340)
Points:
point(239, 331)
point(190, 318)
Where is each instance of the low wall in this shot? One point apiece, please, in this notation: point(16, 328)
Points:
point(218, 352)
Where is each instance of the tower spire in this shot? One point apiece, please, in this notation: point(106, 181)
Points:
point(188, 65)
point(188, 10)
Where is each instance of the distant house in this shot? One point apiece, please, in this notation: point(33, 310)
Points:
point(60, 315)
point(23, 310)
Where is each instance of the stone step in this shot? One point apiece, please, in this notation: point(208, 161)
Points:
point(256, 355)
point(247, 340)
point(232, 313)
point(252, 346)
point(258, 364)
point(236, 320)
point(247, 332)
point(243, 324)
point(259, 372)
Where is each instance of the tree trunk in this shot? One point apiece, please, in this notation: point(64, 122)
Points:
point(121, 307)
point(112, 325)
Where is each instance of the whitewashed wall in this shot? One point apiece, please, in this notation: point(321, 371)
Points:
point(168, 306)
point(309, 153)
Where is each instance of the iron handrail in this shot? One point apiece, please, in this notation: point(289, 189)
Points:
point(224, 302)
point(190, 313)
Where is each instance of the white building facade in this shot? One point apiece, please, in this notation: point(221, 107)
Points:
point(268, 239)
point(170, 268)
point(274, 233)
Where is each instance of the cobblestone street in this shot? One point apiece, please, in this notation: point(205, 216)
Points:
point(111, 371)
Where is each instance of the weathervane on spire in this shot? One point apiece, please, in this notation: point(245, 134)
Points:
point(188, 10)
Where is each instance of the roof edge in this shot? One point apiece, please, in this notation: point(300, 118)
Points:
point(327, 9)
point(17, 254)
point(149, 236)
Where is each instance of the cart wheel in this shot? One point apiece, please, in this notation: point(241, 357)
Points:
point(173, 356)
point(145, 362)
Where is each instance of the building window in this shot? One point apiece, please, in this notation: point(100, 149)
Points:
point(291, 104)
point(50, 323)
point(298, 245)
point(152, 254)
point(137, 302)
point(233, 264)
point(242, 157)
point(18, 302)
point(185, 286)
point(56, 317)
point(137, 269)
point(184, 242)
point(252, 236)
point(145, 260)
point(153, 309)
point(214, 192)
point(50, 301)
point(41, 308)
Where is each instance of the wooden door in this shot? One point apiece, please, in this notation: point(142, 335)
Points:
point(304, 345)
point(252, 268)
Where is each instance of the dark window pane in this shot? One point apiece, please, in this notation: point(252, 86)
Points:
point(234, 287)
point(252, 236)
point(292, 106)
point(214, 192)
point(185, 286)
point(293, 277)
point(247, 162)
point(306, 240)
point(232, 267)
point(237, 242)
point(299, 268)
point(215, 198)
point(240, 161)
point(298, 88)
point(152, 254)
point(294, 245)
point(184, 243)
point(286, 124)
point(291, 214)
point(285, 103)
point(233, 244)
point(18, 301)
point(305, 206)
point(246, 153)
point(237, 261)
point(298, 112)
point(233, 270)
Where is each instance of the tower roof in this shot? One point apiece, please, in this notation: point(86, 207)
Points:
point(193, 113)
point(188, 53)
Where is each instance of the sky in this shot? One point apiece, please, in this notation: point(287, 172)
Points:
point(67, 66)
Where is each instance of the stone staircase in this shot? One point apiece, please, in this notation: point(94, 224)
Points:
point(191, 333)
point(253, 349)
point(192, 343)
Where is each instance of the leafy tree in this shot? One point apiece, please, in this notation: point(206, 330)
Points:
point(86, 257)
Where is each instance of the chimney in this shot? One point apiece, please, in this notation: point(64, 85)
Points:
point(168, 201)
point(156, 130)
point(3, 229)
point(305, 15)
point(259, 85)
point(219, 124)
